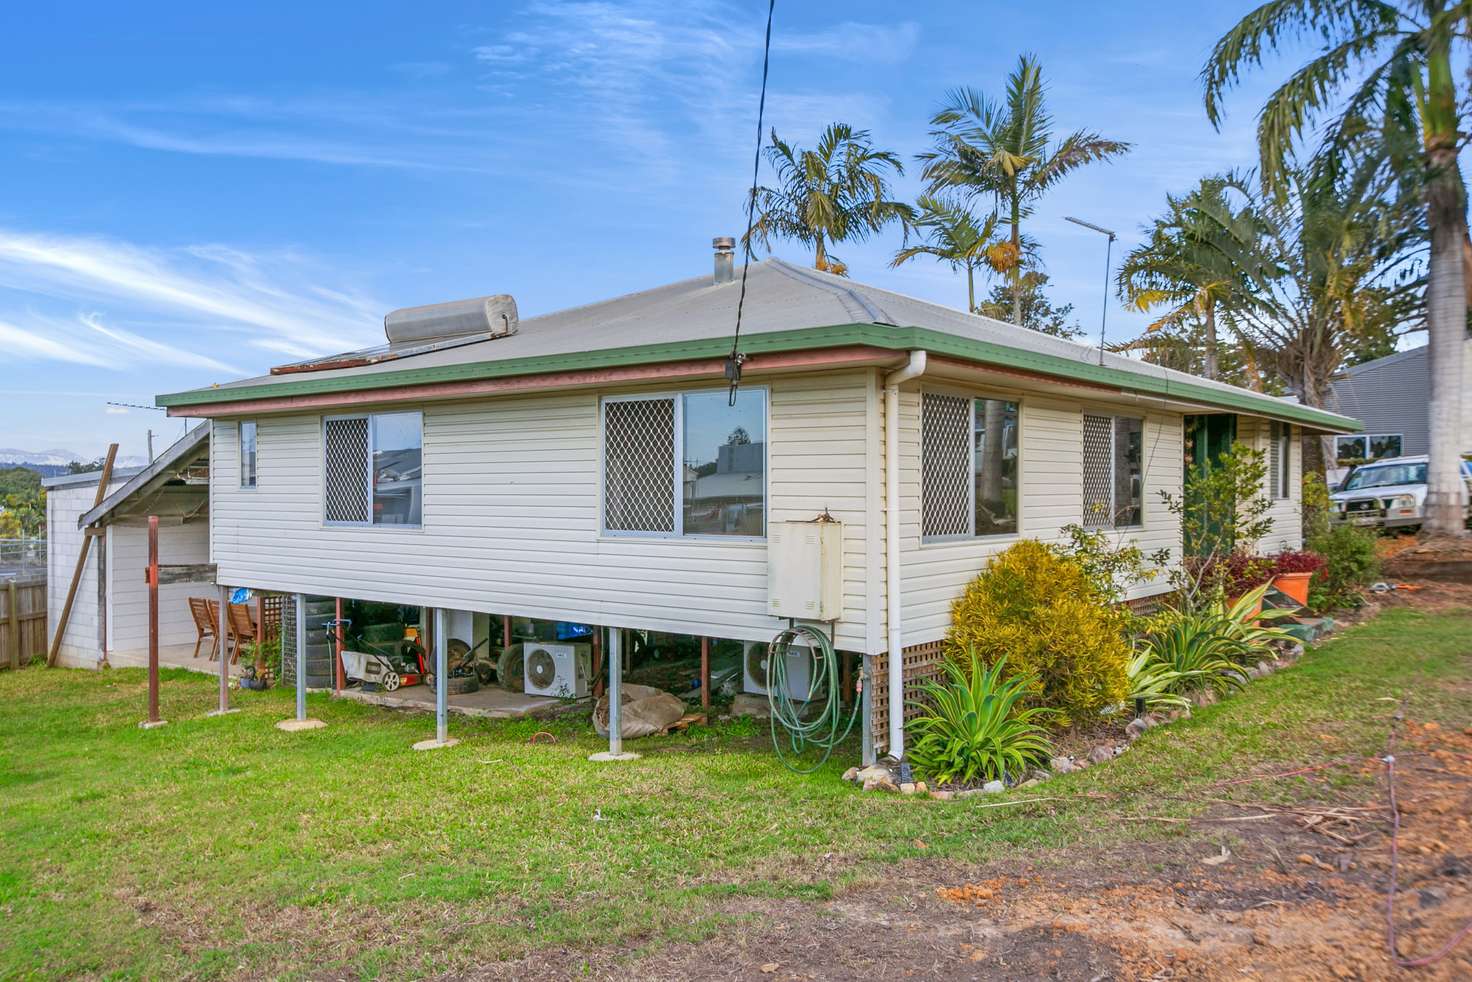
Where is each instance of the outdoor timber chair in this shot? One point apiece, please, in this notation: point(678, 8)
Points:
point(241, 628)
point(205, 617)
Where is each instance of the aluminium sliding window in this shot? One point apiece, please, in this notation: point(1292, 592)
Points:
point(687, 464)
point(1113, 471)
point(968, 466)
point(373, 469)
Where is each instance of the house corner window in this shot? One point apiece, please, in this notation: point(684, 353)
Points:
point(969, 466)
point(685, 465)
point(372, 469)
point(248, 454)
point(1280, 457)
point(1113, 471)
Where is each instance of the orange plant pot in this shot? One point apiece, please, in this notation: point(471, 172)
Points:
point(1294, 584)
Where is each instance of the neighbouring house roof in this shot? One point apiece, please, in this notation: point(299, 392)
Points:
point(787, 309)
point(184, 452)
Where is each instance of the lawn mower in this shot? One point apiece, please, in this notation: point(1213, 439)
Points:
point(390, 664)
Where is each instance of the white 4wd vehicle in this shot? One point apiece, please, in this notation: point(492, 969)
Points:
point(1388, 493)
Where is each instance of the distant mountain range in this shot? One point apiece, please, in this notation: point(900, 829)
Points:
point(49, 463)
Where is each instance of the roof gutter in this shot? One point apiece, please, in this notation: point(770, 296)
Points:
point(913, 368)
point(1050, 365)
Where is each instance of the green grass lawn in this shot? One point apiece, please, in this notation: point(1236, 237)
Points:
point(218, 846)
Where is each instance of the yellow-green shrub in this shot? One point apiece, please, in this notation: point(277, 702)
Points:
point(1041, 612)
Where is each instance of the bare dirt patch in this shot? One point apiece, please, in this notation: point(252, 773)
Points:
point(1250, 889)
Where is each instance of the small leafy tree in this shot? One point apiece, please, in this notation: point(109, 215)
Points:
point(1052, 623)
point(1223, 511)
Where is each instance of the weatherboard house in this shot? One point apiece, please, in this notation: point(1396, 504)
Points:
point(591, 465)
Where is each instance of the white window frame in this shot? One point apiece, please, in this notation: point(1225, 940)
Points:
point(1113, 417)
point(255, 476)
point(972, 398)
point(677, 488)
point(368, 483)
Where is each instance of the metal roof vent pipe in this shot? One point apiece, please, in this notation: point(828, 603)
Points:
point(725, 247)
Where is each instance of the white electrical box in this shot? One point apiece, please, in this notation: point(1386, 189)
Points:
point(805, 570)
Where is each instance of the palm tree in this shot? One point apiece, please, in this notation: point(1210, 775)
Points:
point(1185, 267)
point(837, 192)
point(1002, 149)
point(1393, 62)
point(954, 236)
point(1322, 266)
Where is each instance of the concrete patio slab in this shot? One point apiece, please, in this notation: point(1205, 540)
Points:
point(490, 702)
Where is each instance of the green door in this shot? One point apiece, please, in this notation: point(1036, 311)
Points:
point(1208, 436)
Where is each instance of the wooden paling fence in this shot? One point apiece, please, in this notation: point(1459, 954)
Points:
point(22, 620)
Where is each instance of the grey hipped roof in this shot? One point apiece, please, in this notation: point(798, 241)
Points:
point(785, 305)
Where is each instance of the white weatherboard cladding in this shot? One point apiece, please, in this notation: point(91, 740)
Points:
point(511, 518)
point(935, 573)
point(127, 559)
point(1286, 513)
point(64, 505)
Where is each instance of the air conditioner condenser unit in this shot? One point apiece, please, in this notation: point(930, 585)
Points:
point(556, 669)
point(755, 671)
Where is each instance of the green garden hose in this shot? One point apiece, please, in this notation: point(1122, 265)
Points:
point(825, 730)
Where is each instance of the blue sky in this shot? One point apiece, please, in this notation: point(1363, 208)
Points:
point(193, 193)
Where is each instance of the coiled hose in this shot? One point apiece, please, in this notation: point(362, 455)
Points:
point(792, 734)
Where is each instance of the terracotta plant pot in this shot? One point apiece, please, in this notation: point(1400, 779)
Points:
point(1294, 584)
point(1232, 602)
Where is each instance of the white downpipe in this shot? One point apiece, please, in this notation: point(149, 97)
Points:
point(912, 369)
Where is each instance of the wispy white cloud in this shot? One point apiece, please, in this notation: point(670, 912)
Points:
point(31, 344)
point(109, 304)
point(886, 44)
point(116, 410)
point(666, 93)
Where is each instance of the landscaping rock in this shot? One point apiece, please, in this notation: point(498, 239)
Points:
point(921, 787)
point(970, 792)
point(994, 787)
point(1205, 697)
point(1136, 729)
point(852, 774)
point(907, 788)
point(1101, 754)
point(1039, 775)
point(874, 772)
point(1031, 782)
point(942, 795)
point(746, 704)
point(880, 784)
point(1062, 765)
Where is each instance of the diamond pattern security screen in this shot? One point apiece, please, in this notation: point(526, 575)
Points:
point(345, 469)
point(1098, 472)
point(639, 465)
point(945, 465)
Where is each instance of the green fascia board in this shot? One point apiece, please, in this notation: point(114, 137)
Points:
point(837, 335)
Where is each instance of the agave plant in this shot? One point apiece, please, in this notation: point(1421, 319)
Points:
point(974, 727)
point(1153, 683)
point(1245, 624)
point(1200, 647)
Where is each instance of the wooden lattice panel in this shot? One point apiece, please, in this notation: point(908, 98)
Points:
point(921, 661)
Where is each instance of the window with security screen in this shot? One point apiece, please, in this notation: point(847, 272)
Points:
point(639, 465)
point(693, 464)
point(372, 469)
point(1113, 471)
point(968, 466)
